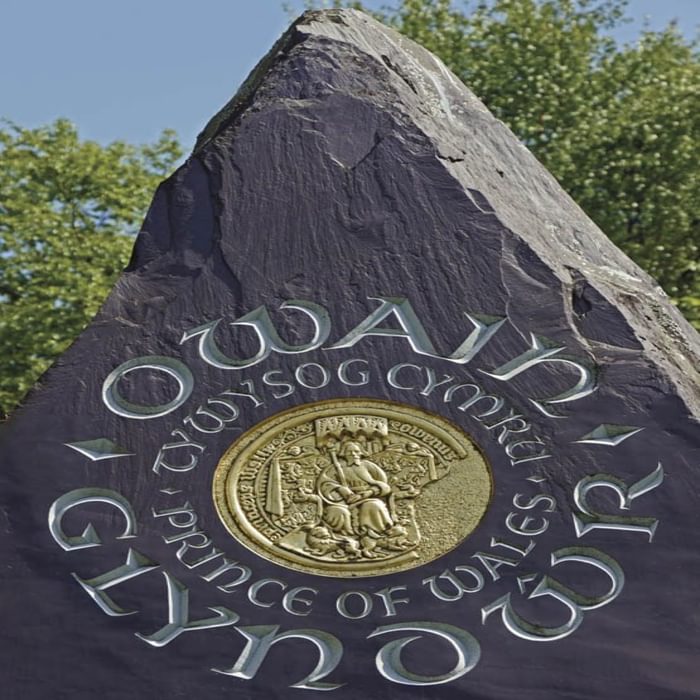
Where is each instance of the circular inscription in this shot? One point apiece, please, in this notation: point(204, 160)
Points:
point(352, 487)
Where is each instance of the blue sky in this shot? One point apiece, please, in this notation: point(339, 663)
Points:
point(127, 69)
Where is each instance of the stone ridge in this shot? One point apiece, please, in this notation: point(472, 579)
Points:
point(497, 171)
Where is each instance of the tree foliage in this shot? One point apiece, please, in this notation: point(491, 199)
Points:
point(619, 126)
point(67, 208)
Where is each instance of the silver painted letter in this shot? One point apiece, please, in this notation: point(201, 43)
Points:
point(136, 564)
point(541, 351)
point(402, 311)
point(178, 616)
point(259, 640)
point(587, 519)
point(575, 603)
point(89, 538)
point(116, 403)
point(390, 665)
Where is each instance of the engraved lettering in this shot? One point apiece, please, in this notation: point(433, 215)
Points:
point(259, 639)
point(186, 441)
point(575, 603)
point(484, 329)
point(493, 562)
point(458, 585)
point(543, 351)
point(301, 374)
point(89, 538)
point(586, 519)
point(171, 513)
point(116, 403)
point(269, 379)
point(250, 394)
point(389, 602)
point(293, 596)
point(219, 421)
point(433, 383)
point(179, 616)
point(393, 380)
point(255, 588)
point(342, 602)
point(228, 565)
point(362, 375)
point(136, 565)
point(411, 329)
point(390, 665)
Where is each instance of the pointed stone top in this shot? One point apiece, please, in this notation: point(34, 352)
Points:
point(344, 52)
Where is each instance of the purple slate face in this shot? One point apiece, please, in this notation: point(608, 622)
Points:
point(342, 232)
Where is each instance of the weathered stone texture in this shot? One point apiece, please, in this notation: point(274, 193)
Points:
point(353, 165)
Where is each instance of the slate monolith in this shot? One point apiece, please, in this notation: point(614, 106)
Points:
point(375, 410)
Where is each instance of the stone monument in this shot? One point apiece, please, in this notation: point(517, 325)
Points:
point(374, 410)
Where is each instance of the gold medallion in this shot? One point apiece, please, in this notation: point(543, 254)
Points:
point(352, 487)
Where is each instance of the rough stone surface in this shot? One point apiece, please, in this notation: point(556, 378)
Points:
point(353, 165)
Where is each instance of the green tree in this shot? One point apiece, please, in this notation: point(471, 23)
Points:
point(619, 126)
point(68, 212)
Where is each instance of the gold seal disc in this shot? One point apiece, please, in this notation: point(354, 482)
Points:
point(352, 487)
